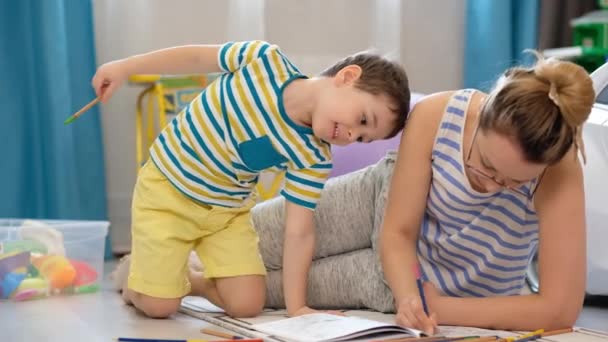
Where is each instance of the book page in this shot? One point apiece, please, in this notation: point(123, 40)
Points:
point(200, 304)
point(454, 331)
point(321, 327)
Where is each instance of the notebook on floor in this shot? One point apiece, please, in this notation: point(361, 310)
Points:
point(321, 327)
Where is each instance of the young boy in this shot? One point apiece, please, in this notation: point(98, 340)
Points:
point(194, 193)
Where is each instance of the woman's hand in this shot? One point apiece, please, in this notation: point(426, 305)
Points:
point(410, 311)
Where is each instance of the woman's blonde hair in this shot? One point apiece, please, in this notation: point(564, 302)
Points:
point(543, 107)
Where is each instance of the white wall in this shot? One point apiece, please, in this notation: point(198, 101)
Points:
point(313, 33)
point(432, 46)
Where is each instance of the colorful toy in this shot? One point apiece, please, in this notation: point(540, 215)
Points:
point(13, 246)
point(10, 283)
point(85, 274)
point(13, 262)
point(33, 264)
point(31, 288)
point(86, 289)
point(50, 237)
point(56, 269)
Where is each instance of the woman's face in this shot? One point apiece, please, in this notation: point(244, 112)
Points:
point(497, 161)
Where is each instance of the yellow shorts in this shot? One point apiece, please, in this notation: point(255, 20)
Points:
point(167, 225)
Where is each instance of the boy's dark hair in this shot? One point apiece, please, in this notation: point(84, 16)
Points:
point(380, 76)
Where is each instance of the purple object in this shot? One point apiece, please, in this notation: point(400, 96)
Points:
point(26, 294)
point(357, 156)
point(10, 263)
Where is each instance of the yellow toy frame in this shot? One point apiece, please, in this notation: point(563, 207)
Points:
point(171, 94)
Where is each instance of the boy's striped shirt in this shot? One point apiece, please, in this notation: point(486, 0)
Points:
point(214, 150)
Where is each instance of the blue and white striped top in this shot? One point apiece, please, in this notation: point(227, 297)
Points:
point(471, 243)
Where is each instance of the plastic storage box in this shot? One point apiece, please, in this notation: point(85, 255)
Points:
point(42, 258)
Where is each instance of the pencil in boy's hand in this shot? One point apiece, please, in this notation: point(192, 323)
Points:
point(220, 334)
point(81, 111)
point(420, 288)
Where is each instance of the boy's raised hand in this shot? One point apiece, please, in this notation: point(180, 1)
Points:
point(108, 78)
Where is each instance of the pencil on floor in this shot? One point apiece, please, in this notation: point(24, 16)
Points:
point(557, 332)
point(482, 339)
point(525, 337)
point(137, 339)
point(417, 339)
point(220, 334)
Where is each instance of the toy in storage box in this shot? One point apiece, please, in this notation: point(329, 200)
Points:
point(42, 258)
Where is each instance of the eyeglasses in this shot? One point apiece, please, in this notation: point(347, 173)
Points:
point(512, 186)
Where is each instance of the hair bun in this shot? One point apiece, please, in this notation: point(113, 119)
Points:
point(569, 87)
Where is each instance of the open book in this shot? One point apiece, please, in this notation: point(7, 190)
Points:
point(321, 327)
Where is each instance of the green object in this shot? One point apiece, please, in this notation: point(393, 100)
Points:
point(86, 289)
point(69, 120)
point(32, 246)
point(591, 34)
point(32, 271)
point(603, 3)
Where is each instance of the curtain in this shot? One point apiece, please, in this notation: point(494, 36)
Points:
point(497, 33)
point(49, 170)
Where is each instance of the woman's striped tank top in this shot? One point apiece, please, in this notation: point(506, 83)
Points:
point(472, 243)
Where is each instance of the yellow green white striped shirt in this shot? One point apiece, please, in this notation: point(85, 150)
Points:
point(214, 150)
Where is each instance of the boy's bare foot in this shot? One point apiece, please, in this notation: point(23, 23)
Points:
point(120, 275)
point(194, 263)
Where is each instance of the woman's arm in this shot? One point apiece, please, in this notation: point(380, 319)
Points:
point(560, 208)
point(405, 209)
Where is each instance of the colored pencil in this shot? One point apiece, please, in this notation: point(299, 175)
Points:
point(416, 339)
point(420, 288)
point(557, 332)
point(519, 338)
point(482, 339)
point(461, 338)
point(136, 339)
point(220, 334)
point(81, 111)
point(529, 338)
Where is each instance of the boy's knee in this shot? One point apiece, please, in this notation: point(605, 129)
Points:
point(249, 307)
point(242, 296)
point(156, 307)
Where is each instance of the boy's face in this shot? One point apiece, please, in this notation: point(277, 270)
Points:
point(346, 114)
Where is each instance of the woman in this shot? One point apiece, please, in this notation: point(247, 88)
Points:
point(481, 181)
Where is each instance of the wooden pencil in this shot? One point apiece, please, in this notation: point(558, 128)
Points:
point(220, 334)
point(82, 110)
point(557, 332)
point(481, 339)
